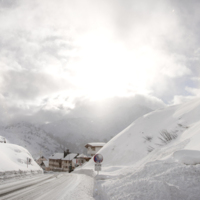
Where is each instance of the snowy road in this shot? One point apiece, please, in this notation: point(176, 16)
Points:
point(49, 186)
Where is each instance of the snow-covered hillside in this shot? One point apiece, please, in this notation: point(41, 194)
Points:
point(145, 134)
point(14, 158)
point(73, 132)
point(33, 138)
point(100, 127)
point(156, 157)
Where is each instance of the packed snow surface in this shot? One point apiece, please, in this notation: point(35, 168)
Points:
point(156, 157)
point(189, 157)
point(58, 186)
point(145, 134)
point(14, 158)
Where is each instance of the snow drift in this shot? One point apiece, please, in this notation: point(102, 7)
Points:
point(145, 135)
point(156, 157)
point(188, 157)
point(15, 158)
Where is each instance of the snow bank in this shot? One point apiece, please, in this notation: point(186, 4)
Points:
point(139, 165)
point(157, 180)
point(144, 135)
point(188, 157)
point(14, 158)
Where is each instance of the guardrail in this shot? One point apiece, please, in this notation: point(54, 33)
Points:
point(13, 174)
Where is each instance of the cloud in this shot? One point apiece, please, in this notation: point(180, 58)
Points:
point(9, 3)
point(26, 85)
point(60, 107)
point(96, 49)
point(194, 91)
point(181, 99)
point(113, 105)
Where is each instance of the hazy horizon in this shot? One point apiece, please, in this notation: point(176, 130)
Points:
point(56, 57)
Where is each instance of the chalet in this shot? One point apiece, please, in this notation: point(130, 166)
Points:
point(81, 159)
point(55, 161)
point(45, 165)
point(69, 161)
point(94, 147)
point(40, 159)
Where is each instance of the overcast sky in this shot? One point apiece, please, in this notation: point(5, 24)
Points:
point(54, 54)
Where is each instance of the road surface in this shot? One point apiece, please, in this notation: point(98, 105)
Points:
point(49, 187)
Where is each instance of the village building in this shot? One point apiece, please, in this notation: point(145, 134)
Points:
point(45, 165)
point(69, 162)
point(40, 159)
point(55, 161)
point(81, 159)
point(94, 147)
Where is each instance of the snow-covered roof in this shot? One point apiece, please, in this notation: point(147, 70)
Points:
point(81, 156)
point(57, 156)
point(46, 163)
point(95, 144)
point(70, 156)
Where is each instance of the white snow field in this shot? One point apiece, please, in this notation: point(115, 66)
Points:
point(50, 187)
point(13, 166)
point(31, 137)
point(13, 161)
point(156, 158)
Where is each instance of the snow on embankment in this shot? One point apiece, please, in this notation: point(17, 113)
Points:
point(188, 157)
point(152, 133)
point(13, 158)
point(156, 157)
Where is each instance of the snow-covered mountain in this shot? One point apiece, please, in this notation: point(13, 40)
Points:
point(14, 159)
point(72, 133)
point(156, 157)
point(147, 134)
point(36, 140)
point(81, 130)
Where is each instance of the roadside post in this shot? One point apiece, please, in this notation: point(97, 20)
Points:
point(98, 159)
point(70, 168)
point(28, 161)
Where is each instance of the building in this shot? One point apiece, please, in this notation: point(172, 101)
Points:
point(45, 165)
point(69, 162)
point(81, 159)
point(94, 147)
point(40, 159)
point(55, 161)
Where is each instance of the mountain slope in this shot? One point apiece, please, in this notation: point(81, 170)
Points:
point(145, 134)
point(140, 163)
point(36, 140)
point(81, 130)
point(14, 158)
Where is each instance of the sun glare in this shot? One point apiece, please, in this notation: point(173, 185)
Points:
point(108, 69)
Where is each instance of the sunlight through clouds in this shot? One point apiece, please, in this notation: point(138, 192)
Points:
point(96, 49)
